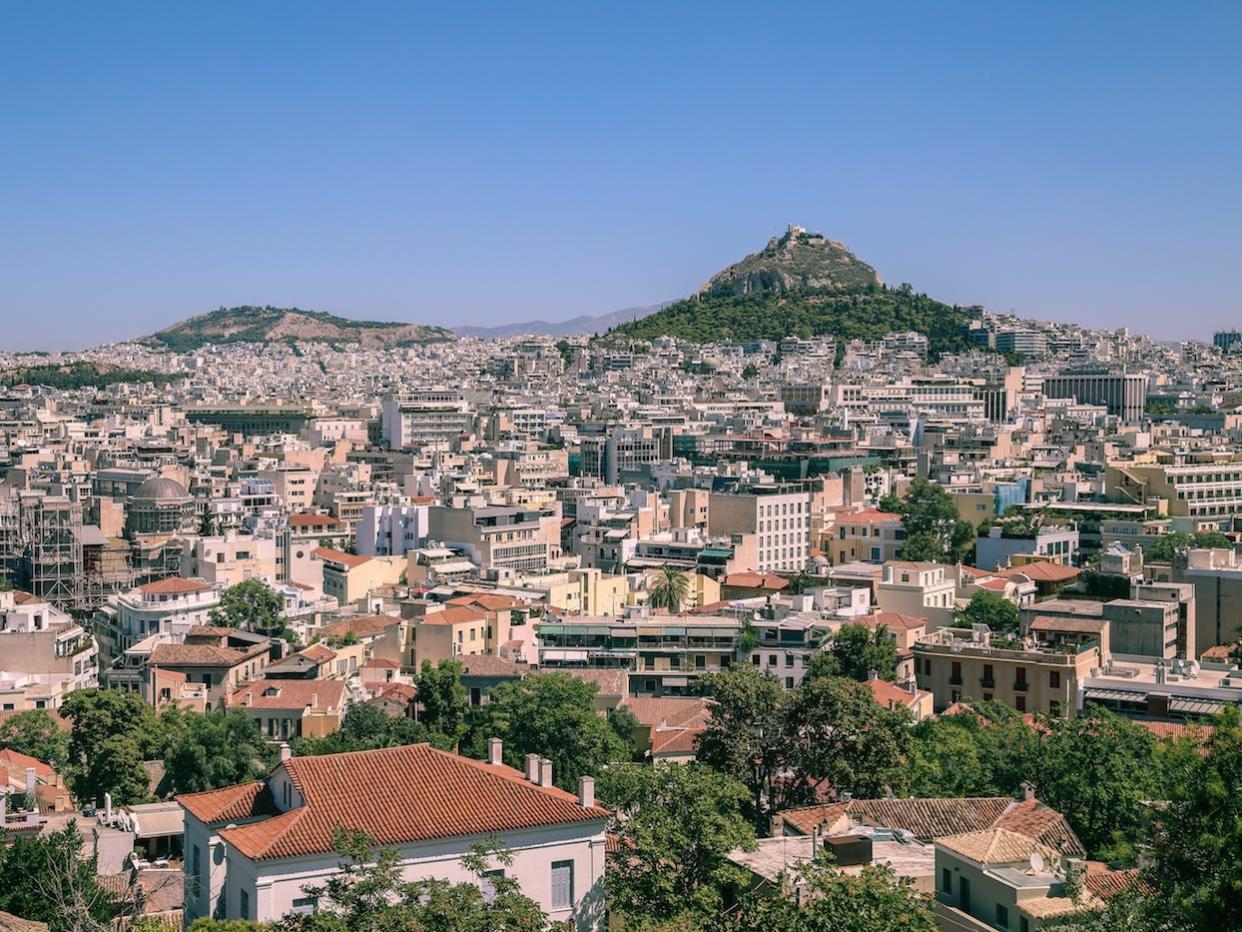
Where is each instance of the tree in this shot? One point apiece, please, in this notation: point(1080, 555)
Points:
point(677, 824)
point(252, 605)
point(367, 894)
point(1162, 547)
point(113, 732)
point(1097, 770)
point(988, 608)
point(214, 750)
point(843, 739)
point(750, 371)
point(552, 715)
point(934, 530)
point(856, 651)
point(830, 900)
point(366, 727)
point(37, 734)
point(669, 589)
point(1197, 845)
point(745, 736)
point(442, 700)
point(49, 878)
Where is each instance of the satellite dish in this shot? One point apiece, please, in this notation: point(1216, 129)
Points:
point(1037, 862)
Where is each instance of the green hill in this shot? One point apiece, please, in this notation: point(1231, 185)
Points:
point(274, 324)
point(802, 284)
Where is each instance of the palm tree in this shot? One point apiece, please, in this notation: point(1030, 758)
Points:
point(669, 590)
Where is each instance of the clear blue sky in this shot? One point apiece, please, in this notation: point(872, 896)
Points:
point(470, 163)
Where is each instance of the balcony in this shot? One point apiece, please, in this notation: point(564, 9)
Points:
point(955, 681)
point(987, 682)
point(1021, 686)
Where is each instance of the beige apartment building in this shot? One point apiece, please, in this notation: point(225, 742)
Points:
point(1217, 578)
point(923, 590)
point(500, 536)
point(349, 578)
point(230, 559)
point(864, 535)
point(1186, 486)
point(779, 516)
point(956, 664)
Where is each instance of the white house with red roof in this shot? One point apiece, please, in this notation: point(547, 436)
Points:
point(252, 849)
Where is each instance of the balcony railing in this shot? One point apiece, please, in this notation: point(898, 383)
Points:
point(987, 682)
point(1021, 685)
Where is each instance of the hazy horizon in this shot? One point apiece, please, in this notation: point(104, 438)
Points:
point(512, 164)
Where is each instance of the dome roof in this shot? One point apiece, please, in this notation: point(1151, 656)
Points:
point(160, 489)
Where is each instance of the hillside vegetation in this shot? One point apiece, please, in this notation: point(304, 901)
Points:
point(804, 285)
point(250, 324)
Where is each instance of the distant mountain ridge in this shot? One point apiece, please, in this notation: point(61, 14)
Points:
point(576, 326)
point(803, 284)
point(252, 324)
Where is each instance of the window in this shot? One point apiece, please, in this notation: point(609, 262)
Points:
point(487, 883)
point(1054, 679)
point(946, 880)
point(304, 906)
point(1002, 916)
point(562, 884)
point(196, 865)
point(243, 903)
point(1019, 703)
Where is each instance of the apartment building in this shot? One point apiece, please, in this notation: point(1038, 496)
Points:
point(231, 558)
point(779, 516)
point(997, 549)
point(274, 837)
point(500, 536)
point(414, 418)
point(349, 578)
point(44, 654)
point(169, 607)
point(1217, 579)
point(629, 451)
point(286, 709)
point(221, 659)
point(1189, 488)
point(955, 664)
point(664, 654)
point(391, 530)
point(864, 535)
point(922, 590)
point(1124, 394)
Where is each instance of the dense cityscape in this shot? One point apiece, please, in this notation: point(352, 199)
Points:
point(645, 467)
point(609, 631)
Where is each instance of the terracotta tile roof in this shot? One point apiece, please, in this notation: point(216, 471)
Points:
point(893, 697)
point(894, 621)
point(673, 711)
point(398, 692)
point(173, 585)
point(11, 923)
point(403, 795)
point(493, 603)
point(1107, 883)
point(996, 846)
point(381, 663)
point(17, 761)
point(1201, 733)
point(1042, 571)
point(229, 804)
point(195, 655)
point(348, 560)
point(305, 521)
point(1032, 818)
point(491, 666)
point(614, 682)
point(994, 585)
point(453, 615)
point(756, 581)
point(1046, 907)
point(289, 694)
point(364, 626)
point(924, 818)
point(1072, 625)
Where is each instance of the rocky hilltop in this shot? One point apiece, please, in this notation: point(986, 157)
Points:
point(803, 284)
point(799, 259)
point(268, 324)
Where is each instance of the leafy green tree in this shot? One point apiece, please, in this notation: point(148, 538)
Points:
point(113, 732)
point(842, 738)
point(1161, 548)
point(37, 734)
point(552, 715)
point(367, 894)
point(750, 371)
point(624, 723)
point(746, 735)
point(669, 589)
point(252, 605)
point(52, 878)
point(366, 727)
point(1097, 770)
point(934, 530)
point(216, 749)
point(443, 703)
point(856, 651)
point(677, 824)
point(988, 608)
point(1197, 846)
point(987, 751)
point(830, 900)
point(207, 924)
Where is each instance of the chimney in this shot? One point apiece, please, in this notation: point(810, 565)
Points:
point(586, 792)
point(285, 752)
point(108, 808)
point(314, 703)
point(846, 796)
point(248, 698)
point(776, 826)
point(495, 750)
point(815, 843)
point(532, 768)
point(31, 780)
point(545, 772)
point(1028, 790)
point(872, 675)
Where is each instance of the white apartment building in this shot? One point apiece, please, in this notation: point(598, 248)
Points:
point(167, 606)
point(415, 418)
point(230, 558)
point(391, 530)
point(779, 516)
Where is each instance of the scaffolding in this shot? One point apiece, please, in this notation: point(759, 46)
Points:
point(51, 527)
point(10, 538)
